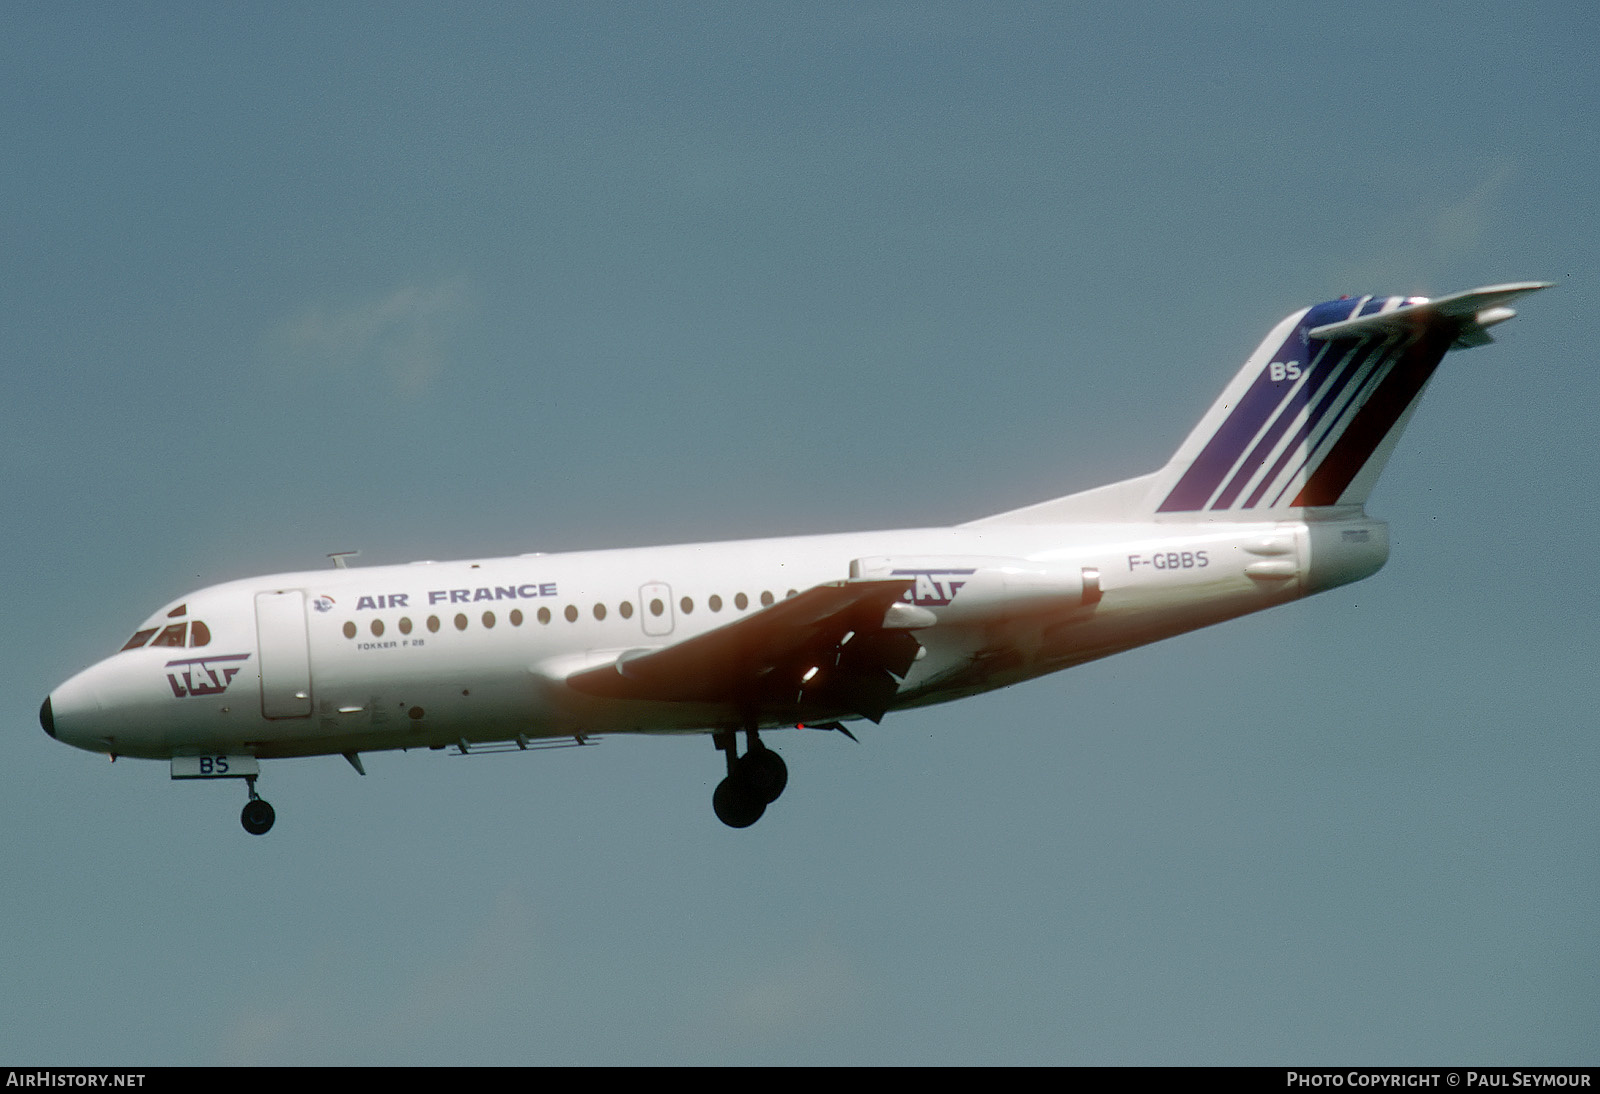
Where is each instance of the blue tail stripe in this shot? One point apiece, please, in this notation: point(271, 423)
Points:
point(1380, 354)
point(1352, 365)
point(1317, 375)
point(1198, 483)
point(1264, 397)
point(1400, 387)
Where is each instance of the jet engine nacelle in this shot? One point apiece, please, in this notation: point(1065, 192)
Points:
point(976, 589)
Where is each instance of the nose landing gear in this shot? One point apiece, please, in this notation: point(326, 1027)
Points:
point(257, 815)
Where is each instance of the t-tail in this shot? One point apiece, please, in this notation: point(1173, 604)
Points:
point(1311, 418)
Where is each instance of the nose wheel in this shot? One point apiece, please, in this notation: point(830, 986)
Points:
point(257, 815)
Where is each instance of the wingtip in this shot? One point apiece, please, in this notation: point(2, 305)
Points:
point(1517, 287)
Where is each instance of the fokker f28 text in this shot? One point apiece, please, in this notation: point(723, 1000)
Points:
point(1263, 503)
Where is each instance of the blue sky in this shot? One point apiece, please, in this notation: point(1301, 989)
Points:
point(434, 283)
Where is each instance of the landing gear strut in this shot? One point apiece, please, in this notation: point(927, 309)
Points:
point(256, 816)
point(754, 780)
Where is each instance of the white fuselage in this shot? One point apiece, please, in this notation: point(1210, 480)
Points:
point(1263, 502)
point(436, 653)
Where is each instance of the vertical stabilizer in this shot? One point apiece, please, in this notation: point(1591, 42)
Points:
point(1311, 418)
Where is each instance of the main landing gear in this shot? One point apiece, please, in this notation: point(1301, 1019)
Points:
point(256, 816)
point(754, 780)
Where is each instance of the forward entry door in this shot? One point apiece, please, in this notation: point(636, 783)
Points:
point(285, 664)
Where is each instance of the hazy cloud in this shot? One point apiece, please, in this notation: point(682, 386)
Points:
point(475, 980)
point(403, 336)
point(1442, 238)
point(320, 1017)
point(783, 998)
point(1461, 226)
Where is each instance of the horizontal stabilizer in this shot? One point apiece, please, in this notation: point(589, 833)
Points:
point(1477, 309)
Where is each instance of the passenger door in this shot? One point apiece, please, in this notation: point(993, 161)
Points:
point(285, 664)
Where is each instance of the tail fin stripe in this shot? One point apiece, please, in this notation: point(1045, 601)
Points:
point(1370, 365)
point(1348, 366)
point(1373, 421)
point(1376, 368)
point(1220, 454)
point(1321, 368)
point(1332, 370)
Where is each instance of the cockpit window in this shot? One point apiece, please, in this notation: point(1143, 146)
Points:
point(171, 636)
point(193, 633)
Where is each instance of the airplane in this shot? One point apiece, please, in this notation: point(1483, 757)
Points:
point(1262, 504)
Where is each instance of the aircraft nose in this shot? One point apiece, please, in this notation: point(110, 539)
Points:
point(72, 713)
point(111, 707)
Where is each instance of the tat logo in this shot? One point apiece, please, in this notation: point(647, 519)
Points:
point(322, 603)
point(204, 675)
point(934, 588)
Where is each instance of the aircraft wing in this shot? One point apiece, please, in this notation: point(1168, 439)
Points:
point(826, 647)
point(1474, 311)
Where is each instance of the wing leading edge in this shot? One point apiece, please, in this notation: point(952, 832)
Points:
point(825, 652)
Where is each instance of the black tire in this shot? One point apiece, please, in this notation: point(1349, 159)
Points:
point(257, 816)
point(765, 773)
point(737, 804)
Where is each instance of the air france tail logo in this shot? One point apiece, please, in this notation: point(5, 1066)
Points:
point(934, 588)
point(204, 675)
